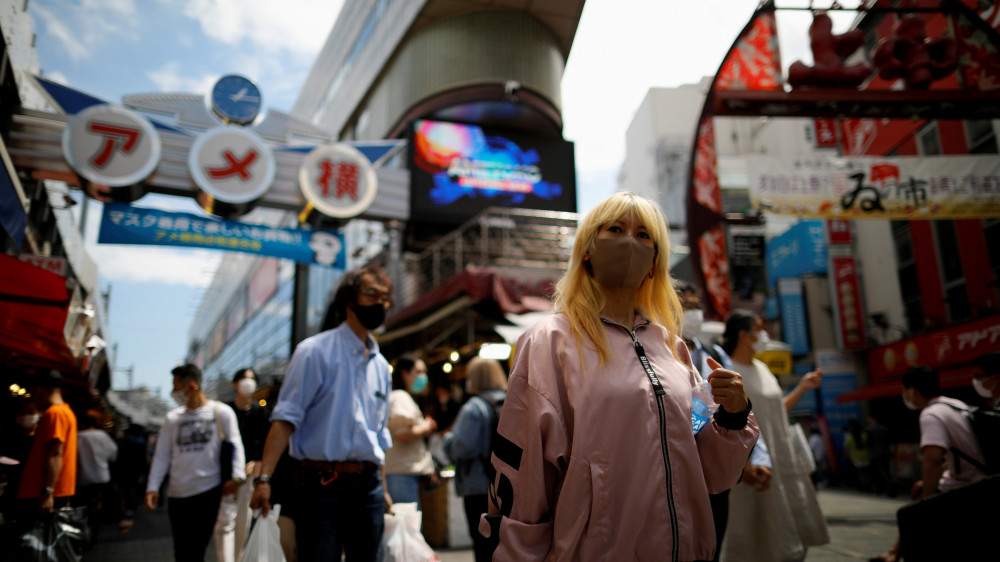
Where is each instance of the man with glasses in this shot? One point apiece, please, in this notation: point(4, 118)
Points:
point(332, 412)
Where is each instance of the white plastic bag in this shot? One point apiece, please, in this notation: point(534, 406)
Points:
point(264, 544)
point(402, 541)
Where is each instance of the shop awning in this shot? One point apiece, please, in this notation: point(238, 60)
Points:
point(33, 308)
point(472, 286)
point(951, 378)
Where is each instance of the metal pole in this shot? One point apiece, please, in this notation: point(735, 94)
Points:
point(300, 305)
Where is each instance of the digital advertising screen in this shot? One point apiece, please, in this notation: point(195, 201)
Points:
point(457, 170)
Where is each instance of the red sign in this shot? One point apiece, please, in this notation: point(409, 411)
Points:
point(957, 345)
point(847, 296)
point(51, 264)
point(839, 231)
point(858, 135)
point(826, 132)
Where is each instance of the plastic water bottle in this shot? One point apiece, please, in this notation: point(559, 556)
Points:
point(702, 405)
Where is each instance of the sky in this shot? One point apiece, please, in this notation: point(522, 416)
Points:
point(113, 48)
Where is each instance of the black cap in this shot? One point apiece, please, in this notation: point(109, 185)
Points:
point(49, 379)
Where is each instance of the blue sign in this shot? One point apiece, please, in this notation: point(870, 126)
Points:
point(794, 330)
point(125, 224)
point(800, 249)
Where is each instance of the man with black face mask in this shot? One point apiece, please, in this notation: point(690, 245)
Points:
point(331, 414)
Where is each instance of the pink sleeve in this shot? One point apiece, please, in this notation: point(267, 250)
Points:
point(529, 456)
point(723, 452)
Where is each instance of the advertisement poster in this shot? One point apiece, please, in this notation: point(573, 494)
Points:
point(799, 250)
point(926, 187)
point(459, 170)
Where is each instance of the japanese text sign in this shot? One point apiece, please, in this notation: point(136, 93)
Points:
point(111, 145)
point(124, 224)
point(928, 187)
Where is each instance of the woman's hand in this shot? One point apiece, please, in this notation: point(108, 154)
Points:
point(812, 380)
point(727, 388)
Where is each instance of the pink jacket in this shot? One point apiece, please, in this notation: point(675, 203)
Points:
point(580, 467)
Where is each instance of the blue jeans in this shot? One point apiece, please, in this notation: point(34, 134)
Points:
point(404, 488)
point(345, 516)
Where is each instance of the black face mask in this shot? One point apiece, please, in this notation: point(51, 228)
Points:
point(371, 316)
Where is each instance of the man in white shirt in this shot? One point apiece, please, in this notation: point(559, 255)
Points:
point(95, 450)
point(189, 448)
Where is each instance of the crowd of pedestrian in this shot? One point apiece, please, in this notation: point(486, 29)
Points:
point(592, 442)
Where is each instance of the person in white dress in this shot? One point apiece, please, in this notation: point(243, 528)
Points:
point(780, 522)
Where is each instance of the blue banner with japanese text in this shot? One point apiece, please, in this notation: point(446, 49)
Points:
point(125, 224)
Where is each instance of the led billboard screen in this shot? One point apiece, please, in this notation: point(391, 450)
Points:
point(458, 170)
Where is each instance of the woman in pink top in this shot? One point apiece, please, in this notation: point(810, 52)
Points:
point(595, 454)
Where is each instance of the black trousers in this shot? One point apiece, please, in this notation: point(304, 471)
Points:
point(474, 507)
point(720, 514)
point(192, 520)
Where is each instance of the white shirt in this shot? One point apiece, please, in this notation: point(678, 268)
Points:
point(188, 449)
point(94, 450)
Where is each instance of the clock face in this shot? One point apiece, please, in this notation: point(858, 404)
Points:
point(236, 99)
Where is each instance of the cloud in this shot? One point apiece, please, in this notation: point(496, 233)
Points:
point(170, 77)
point(298, 26)
point(83, 27)
point(146, 264)
point(57, 76)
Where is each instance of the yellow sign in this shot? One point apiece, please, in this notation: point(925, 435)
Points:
point(778, 361)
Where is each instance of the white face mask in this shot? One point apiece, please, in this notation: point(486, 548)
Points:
point(692, 323)
point(246, 387)
point(179, 397)
point(761, 344)
point(908, 403)
point(28, 421)
point(981, 388)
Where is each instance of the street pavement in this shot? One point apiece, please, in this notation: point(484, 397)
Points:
point(861, 526)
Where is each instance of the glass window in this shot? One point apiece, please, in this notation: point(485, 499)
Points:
point(948, 251)
point(982, 136)
point(929, 139)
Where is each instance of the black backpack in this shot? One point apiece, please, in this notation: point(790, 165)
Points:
point(496, 406)
point(986, 427)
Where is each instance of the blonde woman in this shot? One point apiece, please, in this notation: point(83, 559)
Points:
point(468, 445)
point(595, 453)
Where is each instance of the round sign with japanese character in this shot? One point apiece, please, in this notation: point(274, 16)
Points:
point(232, 164)
point(111, 145)
point(338, 180)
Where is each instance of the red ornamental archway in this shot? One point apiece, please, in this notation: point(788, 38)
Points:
point(920, 60)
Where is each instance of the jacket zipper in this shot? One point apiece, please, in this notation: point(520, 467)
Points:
point(659, 392)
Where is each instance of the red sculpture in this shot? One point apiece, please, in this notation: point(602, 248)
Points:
point(829, 51)
point(910, 55)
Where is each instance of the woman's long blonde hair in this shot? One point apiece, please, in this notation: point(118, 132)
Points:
point(580, 297)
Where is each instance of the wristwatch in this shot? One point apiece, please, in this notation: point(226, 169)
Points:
point(262, 479)
point(48, 491)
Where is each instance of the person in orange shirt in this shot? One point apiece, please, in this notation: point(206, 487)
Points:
point(50, 472)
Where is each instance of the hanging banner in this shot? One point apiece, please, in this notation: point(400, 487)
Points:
point(929, 187)
point(849, 314)
point(793, 316)
point(125, 224)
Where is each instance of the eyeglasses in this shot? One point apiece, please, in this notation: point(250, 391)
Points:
point(377, 296)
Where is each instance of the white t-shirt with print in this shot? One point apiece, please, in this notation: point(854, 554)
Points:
point(188, 449)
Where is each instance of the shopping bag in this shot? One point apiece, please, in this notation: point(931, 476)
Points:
point(58, 537)
point(401, 540)
point(264, 544)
